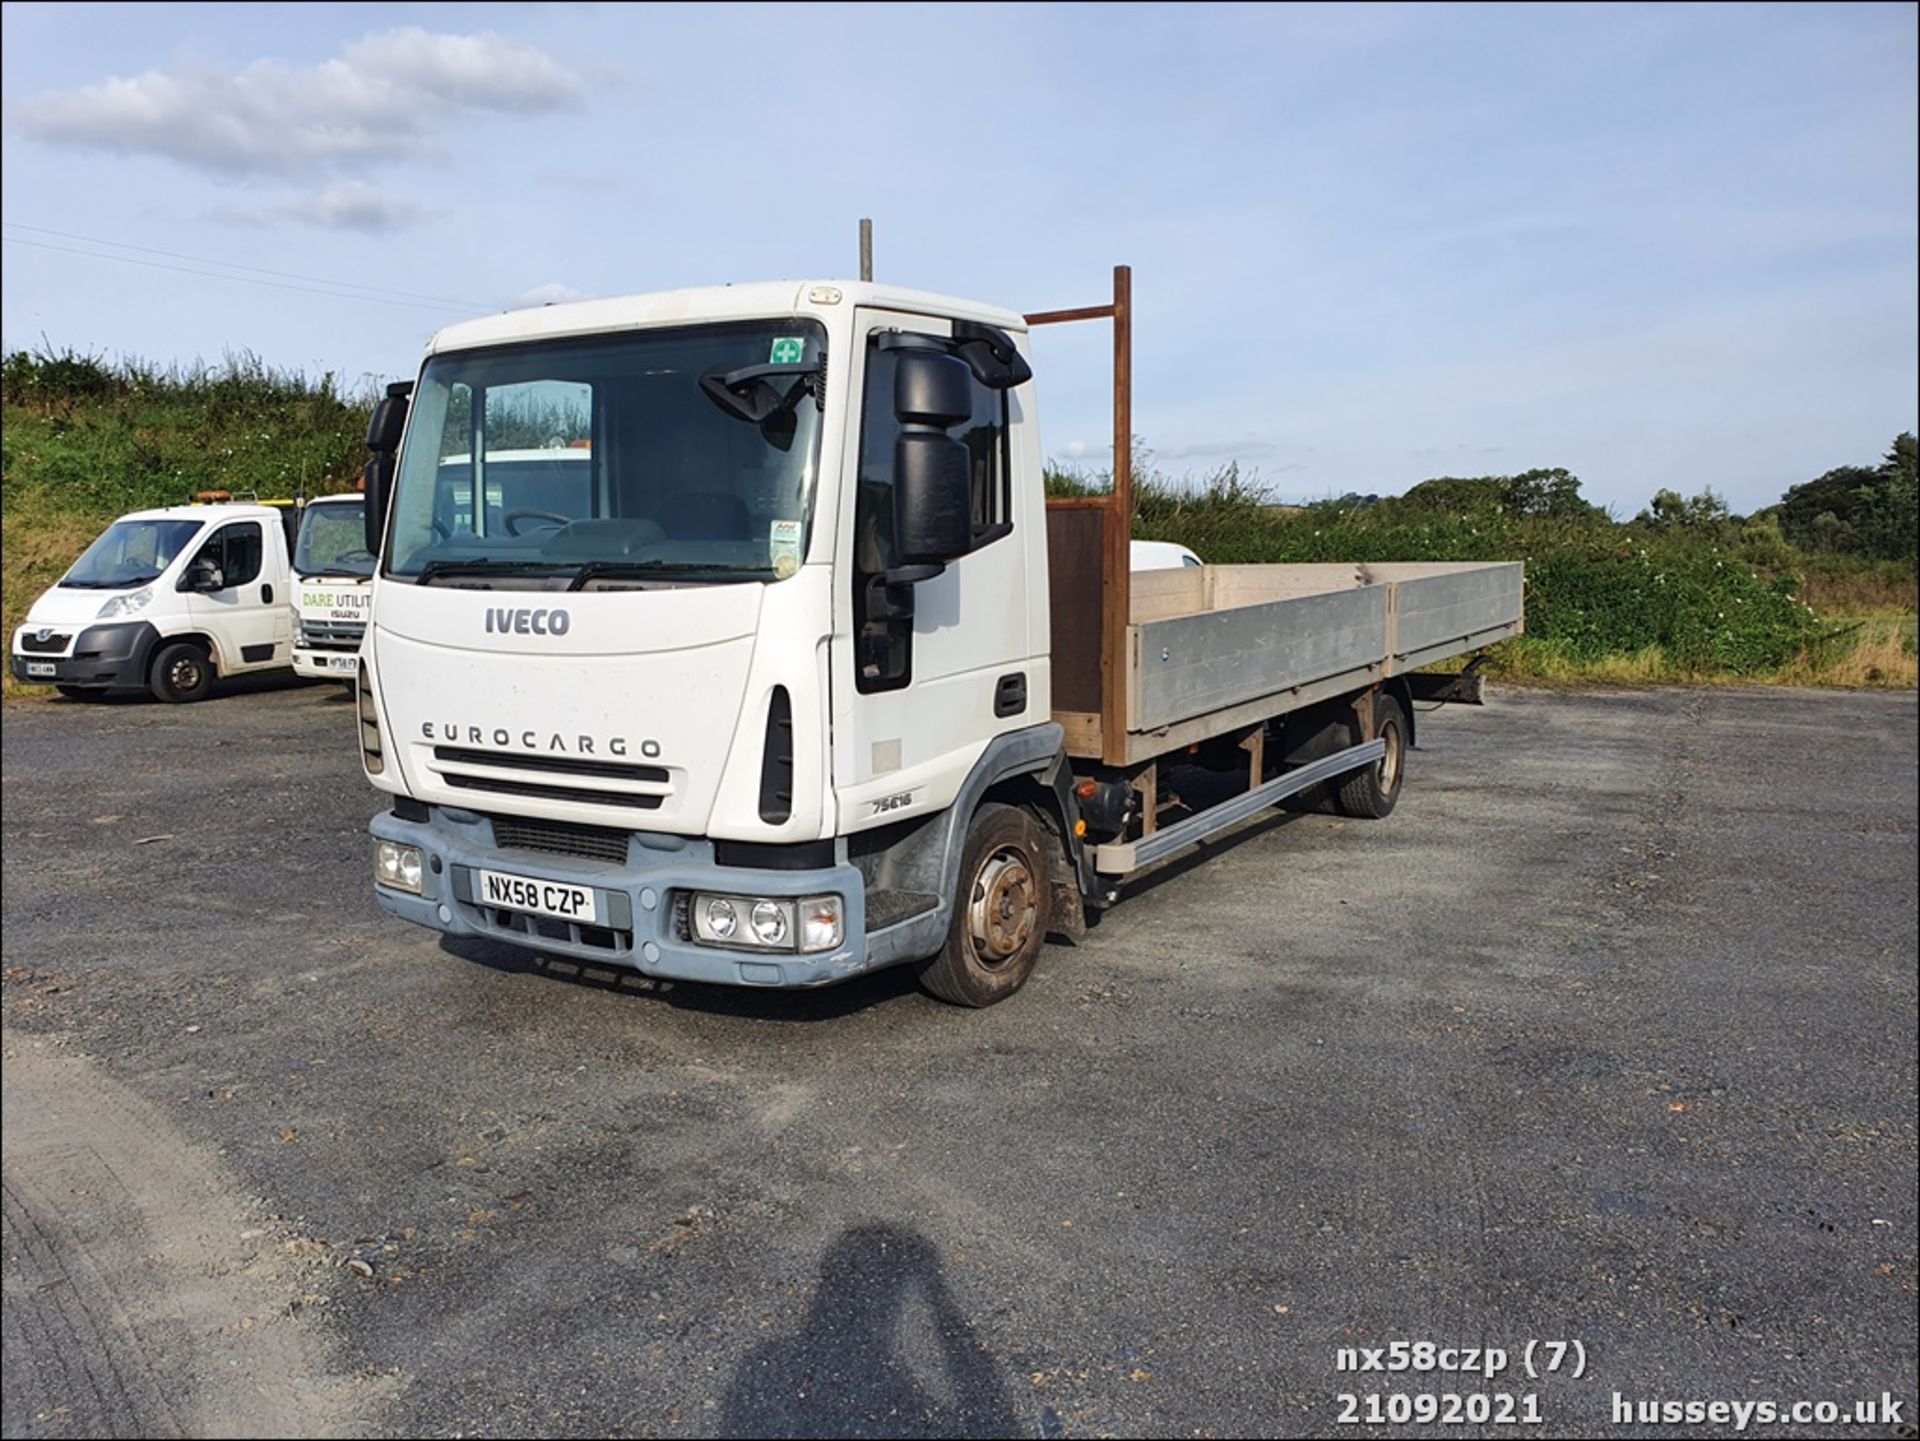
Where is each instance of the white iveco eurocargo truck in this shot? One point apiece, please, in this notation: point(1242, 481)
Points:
point(729, 635)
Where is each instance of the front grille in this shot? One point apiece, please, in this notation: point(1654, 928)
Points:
point(51, 645)
point(540, 928)
point(506, 773)
point(565, 765)
point(597, 843)
point(333, 634)
point(459, 780)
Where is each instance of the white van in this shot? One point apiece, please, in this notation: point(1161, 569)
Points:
point(166, 600)
point(332, 587)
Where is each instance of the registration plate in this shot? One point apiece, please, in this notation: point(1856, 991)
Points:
point(561, 901)
point(42, 667)
point(344, 662)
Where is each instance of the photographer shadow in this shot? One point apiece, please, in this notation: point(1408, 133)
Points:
point(883, 1351)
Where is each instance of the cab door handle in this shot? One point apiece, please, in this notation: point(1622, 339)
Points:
point(266, 594)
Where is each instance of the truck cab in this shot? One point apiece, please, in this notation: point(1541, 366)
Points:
point(332, 587)
point(728, 635)
point(165, 601)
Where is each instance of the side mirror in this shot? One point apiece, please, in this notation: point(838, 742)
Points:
point(996, 362)
point(932, 498)
point(383, 439)
point(203, 576)
point(389, 417)
point(376, 481)
point(930, 387)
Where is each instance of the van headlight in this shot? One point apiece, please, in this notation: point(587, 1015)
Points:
point(130, 604)
point(768, 923)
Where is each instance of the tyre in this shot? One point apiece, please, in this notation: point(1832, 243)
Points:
point(1370, 792)
point(181, 672)
point(1000, 914)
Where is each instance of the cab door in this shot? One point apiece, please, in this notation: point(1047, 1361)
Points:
point(247, 615)
point(926, 674)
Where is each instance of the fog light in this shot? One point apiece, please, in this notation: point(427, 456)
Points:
point(821, 923)
point(720, 920)
point(397, 867)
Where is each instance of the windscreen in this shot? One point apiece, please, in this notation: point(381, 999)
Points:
point(686, 455)
point(333, 540)
point(130, 553)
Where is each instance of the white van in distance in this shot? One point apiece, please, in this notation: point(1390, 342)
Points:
point(166, 600)
point(332, 587)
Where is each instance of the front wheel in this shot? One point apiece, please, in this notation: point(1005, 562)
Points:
point(1000, 913)
point(1370, 793)
point(181, 672)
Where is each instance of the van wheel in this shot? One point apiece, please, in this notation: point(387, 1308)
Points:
point(181, 672)
point(1370, 793)
point(1000, 913)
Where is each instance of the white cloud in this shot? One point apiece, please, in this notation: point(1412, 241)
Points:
point(344, 205)
point(552, 293)
point(378, 101)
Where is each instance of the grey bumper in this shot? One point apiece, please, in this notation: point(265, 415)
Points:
point(634, 897)
point(104, 657)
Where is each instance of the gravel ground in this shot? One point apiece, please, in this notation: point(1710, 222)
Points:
point(1607, 1035)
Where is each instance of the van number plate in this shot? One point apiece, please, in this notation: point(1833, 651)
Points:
point(42, 667)
point(557, 899)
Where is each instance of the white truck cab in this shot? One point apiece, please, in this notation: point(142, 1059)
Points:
point(166, 600)
point(728, 635)
point(332, 587)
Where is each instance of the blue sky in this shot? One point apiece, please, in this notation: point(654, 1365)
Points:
point(1658, 246)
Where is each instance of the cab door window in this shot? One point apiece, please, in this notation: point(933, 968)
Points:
point(237, 550)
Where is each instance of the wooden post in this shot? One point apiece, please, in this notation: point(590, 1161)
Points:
point(1116, 586)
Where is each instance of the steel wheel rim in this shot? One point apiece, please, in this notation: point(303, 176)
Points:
point(1003, 908)
point(184, 673)
point(1390, 762)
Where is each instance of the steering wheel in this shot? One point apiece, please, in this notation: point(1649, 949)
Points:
point(355, 555)
point(559, 522)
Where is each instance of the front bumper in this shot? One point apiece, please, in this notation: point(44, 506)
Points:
point(102, 657)
point(326, 664)
point(635, 898)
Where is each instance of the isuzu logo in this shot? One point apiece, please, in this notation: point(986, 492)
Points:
point(504, 621)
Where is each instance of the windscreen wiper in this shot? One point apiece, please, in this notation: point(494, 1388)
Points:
point(486, 565)
point(600, 569)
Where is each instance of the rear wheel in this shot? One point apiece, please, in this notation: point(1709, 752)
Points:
point(181, 672)
point(1000, 913)
point(1370, 792)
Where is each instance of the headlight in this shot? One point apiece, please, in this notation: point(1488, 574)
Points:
point(768, 923)
point(126, 604)
point(397, 866)
point(719, 917)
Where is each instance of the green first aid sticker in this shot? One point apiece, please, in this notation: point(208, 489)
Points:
point(787, 350)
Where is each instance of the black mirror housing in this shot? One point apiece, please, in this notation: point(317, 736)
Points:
point(931, 387)
point(389, 417)
point(932, 498)
point(376, 481)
